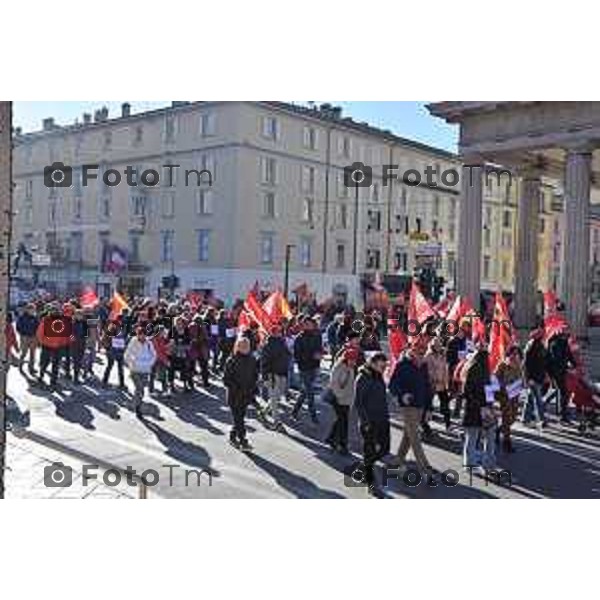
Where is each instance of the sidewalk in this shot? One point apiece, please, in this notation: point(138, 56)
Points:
point(26, 461)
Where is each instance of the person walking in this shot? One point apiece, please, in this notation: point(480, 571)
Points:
point(534, 367)
point(559, 360)
point(410, 385)
point(160, 369)
point(240, 378)
point(437, 368)
point(114, 340)
point(53, 336)
point(510, 379)
point(308, 350)
point(374, 418)
point(26, 325)
point(341, 392)
point(140, 356)
point(274, 365)
point(479, 420)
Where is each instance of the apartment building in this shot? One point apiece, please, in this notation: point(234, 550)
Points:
point(277, 183)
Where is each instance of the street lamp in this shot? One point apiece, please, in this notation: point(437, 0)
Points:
point(286, 272)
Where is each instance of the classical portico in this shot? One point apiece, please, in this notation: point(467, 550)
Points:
point(532, 139)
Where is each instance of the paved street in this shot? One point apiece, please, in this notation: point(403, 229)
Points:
point(190, 432)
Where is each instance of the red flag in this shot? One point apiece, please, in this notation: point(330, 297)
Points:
point(117, 304)
point(277, 307)
point(501, 333)
point(88, 299)
point(254, 312)
point(550, 303)
point(443, 306)
point(419, 309)
point(459, 309)
point(554, 322)
point(195, 299)
point(478, 332)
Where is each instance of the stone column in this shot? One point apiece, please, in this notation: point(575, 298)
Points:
point(576, 259)
point(468, 265)
point(526, 250)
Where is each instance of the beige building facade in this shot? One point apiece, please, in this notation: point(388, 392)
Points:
point(277, 175)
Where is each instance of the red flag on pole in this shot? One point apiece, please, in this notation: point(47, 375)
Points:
point(254, 312)
point(277, 307)
point(419, 309)
point(554, 321)
point(501, 333)
point(117, 304)
point(459, 309)
point(88, 299)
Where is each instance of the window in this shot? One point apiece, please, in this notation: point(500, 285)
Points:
point(167, 205)
point(451, 262)
point(269, 205)
point(504, 269)
point(486, 267)
point(28, 214)
point(344, 146)
point(203, 244)
point(452, 211)
point(266, 248)
point(404, 201)
point(77, 208)
point(134, 246)
point(436, 206)
point(208, 162)
point(507, 219)
point(104, 208)
point(310, 138)
point(207, 124)
point(506, 239)
point(138, 206)
point(77, 181)
point(103, 243)
point(29, 189)
point(52, 208)
point(373, 220)
point(340, 256)
point(308, 205)
point(308, 180)
point(451, 231)
point(400, 261)
point(138, 135)
point(487, 236)
point(204, 202)
point(373, 258)
point(268, 170)
point(167, 242)
point(342, 189)
point(75, 246)
point(542, 225)
point(170, 129)
point(107, 140)
point(305, 252)
point(270, 128)
point(375, 192)
point(342, 216)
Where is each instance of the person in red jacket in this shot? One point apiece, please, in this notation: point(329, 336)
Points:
point(54, 336)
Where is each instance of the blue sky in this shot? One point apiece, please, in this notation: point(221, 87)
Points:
point(408, 119)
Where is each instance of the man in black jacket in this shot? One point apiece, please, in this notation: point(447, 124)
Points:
point(373, 414)
point(274, 364)
point(534, 367)
point(27, 324)
point(308, 350)
point(559, 360)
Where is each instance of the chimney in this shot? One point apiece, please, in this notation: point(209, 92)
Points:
point(176, 103)
point(87, 118)
point(125, 109)
point(18, 131)
point(104, 113)
point(336, 112)
point(48, 124)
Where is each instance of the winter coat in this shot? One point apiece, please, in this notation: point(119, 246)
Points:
point(140, 356)
point(534, 361)
point(410, 383)
point(161, 347)
point(370, 397)
point(559, 357)
point(476, 378)
point(27, 325)
point(308, 349)
point(341, 382)
point(437, 368)
point(275, 357)
point(240, 377)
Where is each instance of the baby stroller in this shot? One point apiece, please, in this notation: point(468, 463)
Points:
point(585, 395)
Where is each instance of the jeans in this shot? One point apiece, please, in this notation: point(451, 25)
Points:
point(47, 356)
point(376, 444)
point(238, 405)
point(473, 456)
point(28, 346)
point(276, 386)
point(534, 403)
point(338, 436)
point(308, 379)
point(140, 381)
point(112, 359)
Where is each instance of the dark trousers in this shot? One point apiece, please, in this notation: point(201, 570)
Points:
point(308, 379)
point(562, 396)
point(203, 364)
point(112, 359)
point(444, 400)
point(339, 431)
point(183, 366)
point(76, 354)
point(47, 356)
point(376, 444)
point(238, 405)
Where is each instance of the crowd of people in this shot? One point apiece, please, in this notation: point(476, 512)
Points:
point(177, 346)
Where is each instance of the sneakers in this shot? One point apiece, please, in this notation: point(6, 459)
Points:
point(245, 445)
point(279, 428)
